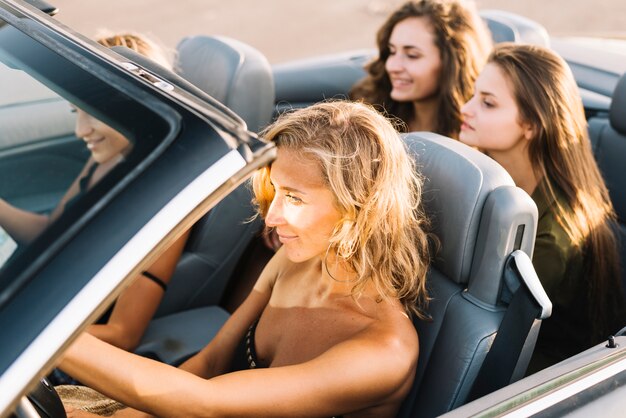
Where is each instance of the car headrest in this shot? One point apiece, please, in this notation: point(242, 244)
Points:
point(617, 111)
point(511, 27)
point(232, 72)
point(470, 198)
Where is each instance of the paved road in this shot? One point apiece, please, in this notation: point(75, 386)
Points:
point(290, 29)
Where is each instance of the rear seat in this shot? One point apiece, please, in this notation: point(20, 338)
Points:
point(608, 139)
point(510, 27)
point(234, 73)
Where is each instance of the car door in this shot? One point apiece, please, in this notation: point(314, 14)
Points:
point(187, 154)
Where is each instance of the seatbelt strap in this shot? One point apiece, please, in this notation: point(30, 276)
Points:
point(512, 348)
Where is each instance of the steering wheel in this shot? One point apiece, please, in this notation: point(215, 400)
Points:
point(46, 401)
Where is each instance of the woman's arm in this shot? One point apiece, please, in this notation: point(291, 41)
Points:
point(216, 358)
point(137, 304)
point(80, 360)
point(373, 368)
point(25, 226)
point(22, 225)
point(363, 372)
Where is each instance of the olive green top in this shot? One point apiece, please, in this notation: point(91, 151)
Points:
point(559, 265)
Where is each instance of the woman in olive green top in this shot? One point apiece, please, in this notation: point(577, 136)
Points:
point(527, 114)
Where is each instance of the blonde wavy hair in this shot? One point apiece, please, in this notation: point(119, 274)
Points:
point(138, 43)
point(377, 189)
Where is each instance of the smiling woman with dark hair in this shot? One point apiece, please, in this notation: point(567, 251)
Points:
point(429, 54)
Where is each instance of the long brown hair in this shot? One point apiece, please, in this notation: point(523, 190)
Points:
point(377, 190)
point(548, 99)
point(463, 42)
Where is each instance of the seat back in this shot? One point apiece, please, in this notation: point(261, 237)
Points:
point(224, 70)
point(480, 218)
point(235, 74)
point(608, 140)
point(239, 77)
point(215, 245)
point(511, 27)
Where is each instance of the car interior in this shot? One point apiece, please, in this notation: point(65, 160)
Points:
point(471, 282)
point(472, 289)
point(484, 289)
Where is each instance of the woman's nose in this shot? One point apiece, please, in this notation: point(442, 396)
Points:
point(83, 124)
point(467, 107)
point(274, 215)
point(393, 64)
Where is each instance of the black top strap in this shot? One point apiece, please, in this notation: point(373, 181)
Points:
point(155, 279)
point(83, 185)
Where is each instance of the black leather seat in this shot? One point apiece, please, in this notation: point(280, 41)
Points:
point(511, 27)
point(239, 77)
point(608, 139)
point(234, 73)
point(486, 227)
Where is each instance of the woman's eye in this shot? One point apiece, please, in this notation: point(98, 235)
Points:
point(293, 199)
point(72, 109)
point(488, 104)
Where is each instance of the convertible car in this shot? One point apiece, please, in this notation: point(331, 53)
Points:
point(195, 144)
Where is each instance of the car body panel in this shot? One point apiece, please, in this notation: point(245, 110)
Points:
point(551, 391)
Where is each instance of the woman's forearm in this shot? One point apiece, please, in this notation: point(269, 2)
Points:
point(135, 381)
point(23, 226)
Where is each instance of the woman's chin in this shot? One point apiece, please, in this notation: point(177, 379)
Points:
point(400, 96)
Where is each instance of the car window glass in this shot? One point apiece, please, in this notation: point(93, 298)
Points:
point(52, 164)
point(39, 154)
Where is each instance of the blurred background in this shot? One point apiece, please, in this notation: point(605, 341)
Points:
point(290, 29)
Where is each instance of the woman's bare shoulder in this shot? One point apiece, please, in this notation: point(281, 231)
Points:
point(393, 328)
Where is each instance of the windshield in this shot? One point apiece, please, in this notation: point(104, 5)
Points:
point(67, 140)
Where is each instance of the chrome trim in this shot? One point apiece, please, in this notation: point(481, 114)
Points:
point(569, 390)
point(25, 409)
point(556, 389)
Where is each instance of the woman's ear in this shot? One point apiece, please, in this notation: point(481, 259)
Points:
point(529, 131)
